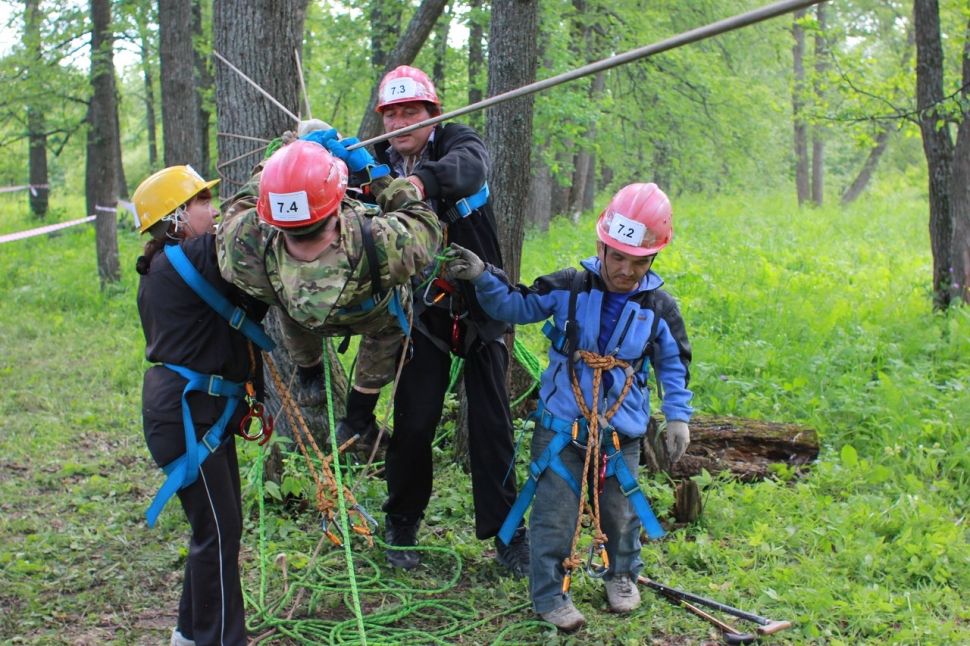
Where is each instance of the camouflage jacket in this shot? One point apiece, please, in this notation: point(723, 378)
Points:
point(324, 294)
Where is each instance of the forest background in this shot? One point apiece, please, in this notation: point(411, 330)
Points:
point(807, 259)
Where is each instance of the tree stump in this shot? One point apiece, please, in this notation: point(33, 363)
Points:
point(745, 447)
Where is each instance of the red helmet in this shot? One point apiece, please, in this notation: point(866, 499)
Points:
point(637, 220)
point(405, 84)
point(301, 184)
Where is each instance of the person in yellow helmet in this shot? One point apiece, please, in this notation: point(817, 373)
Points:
point(192, 394)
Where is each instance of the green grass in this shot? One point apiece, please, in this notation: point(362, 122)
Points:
point(816, 316)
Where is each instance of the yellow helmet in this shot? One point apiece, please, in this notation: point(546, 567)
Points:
point(164, 192)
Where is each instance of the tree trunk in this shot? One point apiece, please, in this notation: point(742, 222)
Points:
point(147, 71)
point(119, 159)
point(36, 121)
point(818, 144)
point(960, 194)
point(860, 182)
point(584, 169)
point(404, 52)
point(180, 101)
point(937, 144)
point(589, 195)
point(101, 177)
point(798, 106)
point(204, 83)
point(441, 53)
point(240, 31)
point(476, 60)
point(539, 210)
point(385, 27)
point(745, 447)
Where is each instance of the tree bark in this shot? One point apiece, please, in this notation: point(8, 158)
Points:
point(180, 101)
point(203, 84)
point(539, 210)
point(585, 169)
point(148, 75)
point(36, 118)
point(862, 179)
point(476, 60)
point(798, 107)
point(937, 144)
point(441, 53)
point(818, 142)
point(960, 195)
point(101, 177)
point(385, 27)
point(404, 52)
point(747, 448)
point(241, 30)
point(118, 156)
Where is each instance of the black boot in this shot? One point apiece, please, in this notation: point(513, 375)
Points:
point(402, 536)
point(515, 556)
point(360, 421)
point(312, 384)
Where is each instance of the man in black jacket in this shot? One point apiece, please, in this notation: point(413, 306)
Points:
point(449, 166)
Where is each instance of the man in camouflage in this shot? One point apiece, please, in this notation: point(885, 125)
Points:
point(290, 237)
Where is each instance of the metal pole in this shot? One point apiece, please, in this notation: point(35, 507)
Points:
point(701, 33)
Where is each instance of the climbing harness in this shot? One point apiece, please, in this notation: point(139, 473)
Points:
point(184, 471)
point(467, 205)
point(592, 434)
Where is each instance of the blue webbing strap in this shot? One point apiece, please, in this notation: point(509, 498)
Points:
point(394, 306)
point(185, 470)
point(236, 317)
point(464, 207)
point(550, 459)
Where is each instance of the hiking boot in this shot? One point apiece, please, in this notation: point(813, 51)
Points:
point(312, 385)
point(515, 556)
point(565, 618)
point(365, 442)
point(622, 593)
point(179, 640)
point(401, 536)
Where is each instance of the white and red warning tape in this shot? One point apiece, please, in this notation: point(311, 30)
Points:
point(10, 237)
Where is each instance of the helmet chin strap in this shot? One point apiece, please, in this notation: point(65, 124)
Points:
point(179, 218)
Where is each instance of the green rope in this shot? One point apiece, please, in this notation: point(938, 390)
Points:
point(530, 362)
point(273, 146)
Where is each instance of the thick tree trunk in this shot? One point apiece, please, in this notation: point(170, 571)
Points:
point(241, 32)
point(404, 52)
point(798, 107)
point(385, 27)
point(36, 120)
point(476, 61)
point(101, 177)
point(862, 179)
point(148, 75)
point(180, 101)
point(818, 143)
point(745, 447)
point(937, 144)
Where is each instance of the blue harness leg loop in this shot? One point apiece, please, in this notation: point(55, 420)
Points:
point(185, 470)
point(550, 460)
point(236, 317)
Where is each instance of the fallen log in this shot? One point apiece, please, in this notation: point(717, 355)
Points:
point(745, 447)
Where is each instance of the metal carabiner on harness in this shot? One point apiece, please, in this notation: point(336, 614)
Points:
point(566, 580)
point(597, 571)
point(447, 289)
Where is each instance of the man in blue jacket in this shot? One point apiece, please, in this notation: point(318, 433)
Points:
point(611, 322)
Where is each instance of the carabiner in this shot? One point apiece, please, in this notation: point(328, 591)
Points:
point(566, 580)
point(367, 518)
point(326, 531)
point(597, 571)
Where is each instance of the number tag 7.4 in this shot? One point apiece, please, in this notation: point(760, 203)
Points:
point(290, 207)
point(627, 231)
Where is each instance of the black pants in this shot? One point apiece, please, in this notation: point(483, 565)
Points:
point(417, 411)
point(211, 610)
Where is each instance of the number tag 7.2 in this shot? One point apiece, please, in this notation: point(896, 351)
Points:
point(627, 231)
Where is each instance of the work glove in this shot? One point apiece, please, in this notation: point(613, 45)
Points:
point(463, 264)
point(678, 437)
point(311, 125)
point(356, 160)
point(322, 137)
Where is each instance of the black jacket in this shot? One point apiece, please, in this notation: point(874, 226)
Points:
point(456, 168)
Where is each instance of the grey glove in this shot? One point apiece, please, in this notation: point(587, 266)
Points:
point(312, 125)
point(464, 264)
point(678, 437)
